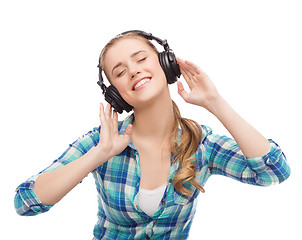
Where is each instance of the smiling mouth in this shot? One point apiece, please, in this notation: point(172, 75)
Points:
point(141, 83)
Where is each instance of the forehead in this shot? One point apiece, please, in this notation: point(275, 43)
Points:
point(124, 48)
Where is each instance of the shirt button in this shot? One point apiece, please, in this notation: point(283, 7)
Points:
point(163, 202)
point(170, 180)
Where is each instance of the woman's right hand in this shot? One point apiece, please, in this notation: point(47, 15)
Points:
point(110, 142)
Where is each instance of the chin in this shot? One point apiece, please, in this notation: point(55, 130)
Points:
point(147, 99)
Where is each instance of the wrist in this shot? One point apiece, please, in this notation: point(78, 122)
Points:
point(216, 105)
point(97, 157)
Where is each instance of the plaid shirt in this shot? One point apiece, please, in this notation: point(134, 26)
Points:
point(118, 180)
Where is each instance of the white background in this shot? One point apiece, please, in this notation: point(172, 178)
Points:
point(49, 97)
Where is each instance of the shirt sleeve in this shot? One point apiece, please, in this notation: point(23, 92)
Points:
point(225, 158)
point(26, 201)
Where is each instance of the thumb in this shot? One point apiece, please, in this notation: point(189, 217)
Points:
point(128, 133)
point(181, 91)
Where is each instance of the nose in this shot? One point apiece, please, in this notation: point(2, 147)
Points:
point(133, 75)
point(133, 71)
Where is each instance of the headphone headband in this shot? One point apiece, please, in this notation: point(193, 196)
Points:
point(149, 36)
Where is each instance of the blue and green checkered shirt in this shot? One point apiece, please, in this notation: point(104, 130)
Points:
point(118, 180)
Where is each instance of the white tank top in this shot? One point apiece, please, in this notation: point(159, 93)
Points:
point(149, 200)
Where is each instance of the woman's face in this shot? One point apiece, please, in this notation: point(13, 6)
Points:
point(132, 66)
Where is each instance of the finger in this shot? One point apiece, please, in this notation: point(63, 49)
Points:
point(115, 122)
point(181, 64)
point(187, 77)
point(189, 65)
point(183, 67)
point(199, 74)
point(108, 111)
point(103, 120)
point(193, 68)
point(101, 114)
point(179, 61)
point(128, 133)
point(189, 70)
point(181, 91)
point(183, 71)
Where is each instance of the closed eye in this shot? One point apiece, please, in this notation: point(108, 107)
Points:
point(142, 59)
point(120, 74)
point(139, 61)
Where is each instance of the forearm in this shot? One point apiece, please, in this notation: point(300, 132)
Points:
point(249, 140)
point(51, 187)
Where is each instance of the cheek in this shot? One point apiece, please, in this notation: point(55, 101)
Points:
point(120, 86)
point(156, 64)
point(156, 67)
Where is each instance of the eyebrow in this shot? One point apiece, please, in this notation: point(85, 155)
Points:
point(132, 55)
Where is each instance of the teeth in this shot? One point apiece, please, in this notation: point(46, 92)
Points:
point(141, 82)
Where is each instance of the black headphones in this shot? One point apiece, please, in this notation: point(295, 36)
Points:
point(167, 61)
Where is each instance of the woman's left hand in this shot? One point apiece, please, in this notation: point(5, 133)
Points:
point(203, 92)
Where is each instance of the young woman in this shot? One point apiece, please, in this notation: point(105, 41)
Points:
point(150, 168)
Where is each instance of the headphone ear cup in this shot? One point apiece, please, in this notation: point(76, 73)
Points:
point(170, 66)
point(113, 97)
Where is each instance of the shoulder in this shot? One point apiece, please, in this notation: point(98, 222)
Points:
point(122, 125)
point(87, 140)
point(92, 137)
point(206, 131)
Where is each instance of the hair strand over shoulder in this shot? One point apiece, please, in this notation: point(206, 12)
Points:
point(190, 139)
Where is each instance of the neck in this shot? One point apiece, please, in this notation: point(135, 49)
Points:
point(154, 121)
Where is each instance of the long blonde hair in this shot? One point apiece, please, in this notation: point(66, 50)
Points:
point(189, 142)
point(190, 137)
